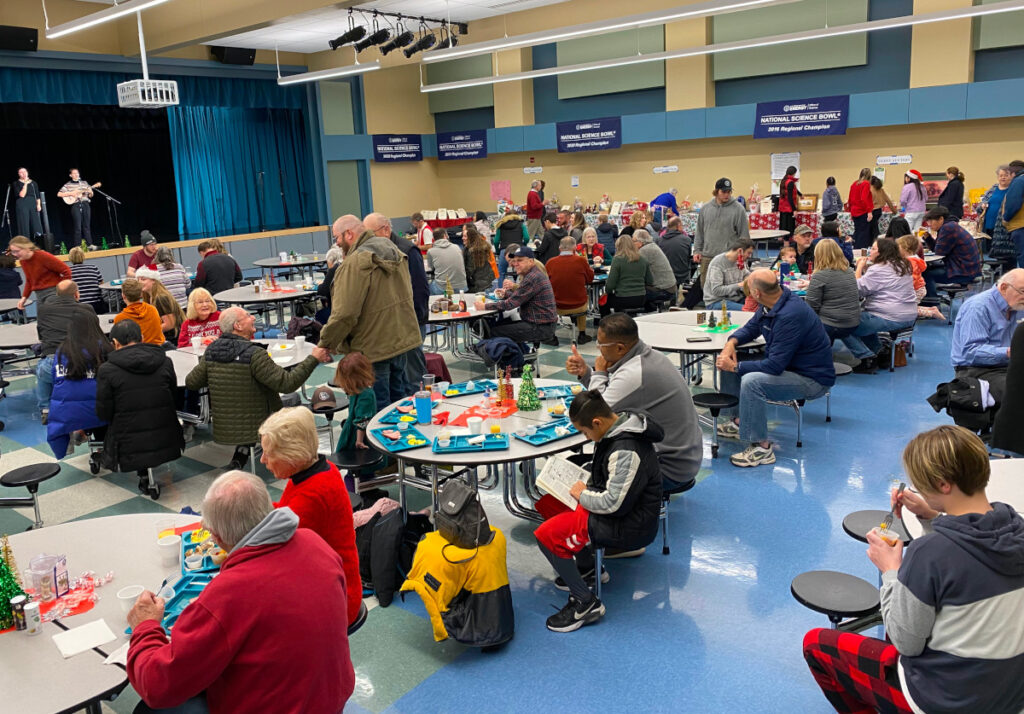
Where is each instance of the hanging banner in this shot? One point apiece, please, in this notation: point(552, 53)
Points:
point(590, 135)
point(894, 160)
point(453, 145)
point(822, 116)
point(397, 147)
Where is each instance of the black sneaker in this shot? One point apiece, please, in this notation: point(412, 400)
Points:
point(240, 459)
point(553, 341)
point(867, 366)
point(588, 578)
point(583, 338)
point(576, 614)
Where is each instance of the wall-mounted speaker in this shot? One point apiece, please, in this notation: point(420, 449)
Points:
point(233, 55)
point(23, 39)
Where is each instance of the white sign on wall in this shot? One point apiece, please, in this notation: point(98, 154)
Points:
point(666, 169)
point(781, 162)
point(575, 182)
point(893, 160)
point(533, 170)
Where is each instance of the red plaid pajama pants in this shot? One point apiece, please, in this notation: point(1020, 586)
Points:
point(857, 674)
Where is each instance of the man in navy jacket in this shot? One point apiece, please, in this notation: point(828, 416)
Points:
point(797, 364)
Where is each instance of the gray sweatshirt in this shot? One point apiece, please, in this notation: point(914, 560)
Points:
point(723, 280)
point(661, 269)
point(644, 380)
point(834, 296)
point(718, 226)
point(445, 259)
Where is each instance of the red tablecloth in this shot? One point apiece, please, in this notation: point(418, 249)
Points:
point(449, 222)
point(770, 221)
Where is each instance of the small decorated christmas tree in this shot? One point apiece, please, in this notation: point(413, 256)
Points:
point(104, 244)
point(528, 401)
point(127, 243)
point(510, 392)
point(502, 394)
point(84, 246)
point(7, 555)
point(63, 249)
point(9, 588)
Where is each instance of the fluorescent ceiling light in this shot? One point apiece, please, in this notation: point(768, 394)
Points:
point(328, 73)
point(97, 18)
point(860, 27)
point(660, 17)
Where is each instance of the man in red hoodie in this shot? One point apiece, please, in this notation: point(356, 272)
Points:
point(534, 210)
point(269, 633)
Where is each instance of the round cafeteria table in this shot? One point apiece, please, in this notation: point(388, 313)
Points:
point(505, 460)
point(286, 292)
point(451, 321)
point(765, 235)
point(7, 304)
point(1005, 484)
point(299, 262)
point(285, 354)
point(22, 336)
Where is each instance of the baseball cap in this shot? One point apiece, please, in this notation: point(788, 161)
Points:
point(323, 399)
point(723, 184)
point(523, 252)
point(145, 272)
point(914, 173)
point(800, 230)
point(147, 238)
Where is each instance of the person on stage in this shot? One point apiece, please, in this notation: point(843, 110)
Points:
point(81, 209)
point(27, 205)
point(42, 270)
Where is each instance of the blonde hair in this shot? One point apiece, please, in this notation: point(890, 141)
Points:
point(948, 454)
point(290, 436)
point(191, 313)
point(909, 244)
point(829, 256)
point(637, 220)
point(157, 291)
point(23, 242)
point(76, 255)
point(624, 247)
point(588, 231)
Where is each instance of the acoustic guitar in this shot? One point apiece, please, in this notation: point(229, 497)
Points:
point(76, 196)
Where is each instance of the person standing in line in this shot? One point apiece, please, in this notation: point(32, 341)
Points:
point(952, 197)
point(534, 210)
point(720, 223)
point(913, 198)
point(42, 270)
point(788, 195)
point(831, 201)
point(879, 200)
point(861, 206)
point(27, 205)
point(1013, 209)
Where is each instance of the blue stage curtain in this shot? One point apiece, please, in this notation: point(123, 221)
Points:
point(218, 152)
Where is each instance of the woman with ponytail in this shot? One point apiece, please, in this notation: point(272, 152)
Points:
point(952, 197)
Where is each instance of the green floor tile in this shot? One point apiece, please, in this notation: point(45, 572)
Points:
point(137, 504)
point(385, 674)
point(8, 445)
point(12, 522)
point(68, 476)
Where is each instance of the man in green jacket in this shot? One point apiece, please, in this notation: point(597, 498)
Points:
point(372, 308)
point(245, 384)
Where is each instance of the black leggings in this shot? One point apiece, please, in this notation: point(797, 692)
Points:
point(615, 302)
point(787, 222)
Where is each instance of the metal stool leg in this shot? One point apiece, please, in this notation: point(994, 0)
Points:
point(714, 433)
point(598, 564)
point(664, 526)
point(35, 507)
point(828, 406)
point(799, 425)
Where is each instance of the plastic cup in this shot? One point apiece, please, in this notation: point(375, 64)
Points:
point(197, 342)
point(170, 550)
point(300, 341)
point(193, 562)
point(423, 404)
point(166, 592)
point(428, 380)
point(42, 569)
point(403, 425)
point(442, 387)
point(530, 430)
point(127, 597)
point(476, 425)
point(888, 535)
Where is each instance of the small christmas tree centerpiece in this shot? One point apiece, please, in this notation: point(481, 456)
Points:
point(9, 588)
point(528, 400)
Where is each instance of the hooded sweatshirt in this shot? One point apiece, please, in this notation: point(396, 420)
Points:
point(953, 612)
point(445, 259)
point(718, 226)
point(252, 636)
point(549, 243)
point(606, 235)
point(644, 380)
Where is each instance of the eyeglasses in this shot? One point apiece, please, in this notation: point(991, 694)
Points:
point(1014, 287)
point(608, 344)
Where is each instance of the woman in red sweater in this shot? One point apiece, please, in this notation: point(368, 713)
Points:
point(315, 491)
point(42, 270)
point(861, 206)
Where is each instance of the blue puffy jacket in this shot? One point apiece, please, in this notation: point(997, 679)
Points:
point(72, 407)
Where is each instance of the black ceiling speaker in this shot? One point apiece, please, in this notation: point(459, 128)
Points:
point(233, 55)
point(23, 39)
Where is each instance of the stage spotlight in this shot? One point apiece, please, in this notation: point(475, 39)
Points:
point(353, 35)
point(399, 42)
point(375, 39)
point(463, 28)
point(424, 43)
point(449, 41)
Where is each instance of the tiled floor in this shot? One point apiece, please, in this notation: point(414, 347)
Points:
point(711, 627)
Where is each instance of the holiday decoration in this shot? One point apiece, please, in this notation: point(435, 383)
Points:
point(510, 392)
point(9, 588)
point(103, 245)
point(528, 400)
point(502, 394)
point(724, 322)
point(127, 243)
point(7, 555)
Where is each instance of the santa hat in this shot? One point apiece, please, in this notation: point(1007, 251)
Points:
point(914, 174)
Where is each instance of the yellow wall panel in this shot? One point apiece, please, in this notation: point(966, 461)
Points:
point(941, 52)
point(400, 189)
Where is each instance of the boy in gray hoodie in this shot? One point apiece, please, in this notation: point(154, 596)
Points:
point(720, 223)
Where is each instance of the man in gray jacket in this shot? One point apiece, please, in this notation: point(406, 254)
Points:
point(720, 223)
point(664, 287)
point(677, 247)
point(726, 275)
point(633, 377)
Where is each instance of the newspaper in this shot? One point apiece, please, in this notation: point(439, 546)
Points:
point(558, 477)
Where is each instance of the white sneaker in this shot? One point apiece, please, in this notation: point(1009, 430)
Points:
point(728, 429)
point(754, 455)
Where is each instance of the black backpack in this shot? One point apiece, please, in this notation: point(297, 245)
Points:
point(461, 519)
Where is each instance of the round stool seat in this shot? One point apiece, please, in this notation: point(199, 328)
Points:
point(679, 488)
point(952, 288)
point(30, 475)
point(715, 400)
point(837, 595)
point(859, 523)
point(352, 459)
point(842, 369)
point(360, 619)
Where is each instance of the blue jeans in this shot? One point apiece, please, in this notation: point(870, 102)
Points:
point(1017, 237)
point(864, 342)
point(729, 304)
point(755, 389)
point(44, 382)
point(838, 333)
point(415, 363)
point(389, 383)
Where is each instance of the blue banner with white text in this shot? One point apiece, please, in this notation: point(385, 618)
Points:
point(397, 147)
point(822, 116)
point(590, 135)
point(453, 145)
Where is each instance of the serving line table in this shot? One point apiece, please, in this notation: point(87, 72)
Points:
point(300, 262)
point(504, 461)
point(1005, 484)
point(288, 292)
point(34, 676)
point(450, 323)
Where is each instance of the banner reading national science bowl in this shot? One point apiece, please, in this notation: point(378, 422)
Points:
point(590, 135)
point(823, 116)
point(462, 145)
point(397, 147)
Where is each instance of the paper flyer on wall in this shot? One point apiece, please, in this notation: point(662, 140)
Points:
point(557, 478)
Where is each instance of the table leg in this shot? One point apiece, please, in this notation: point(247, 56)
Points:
point(511, 498)
point(433, 493)
point(401, 484)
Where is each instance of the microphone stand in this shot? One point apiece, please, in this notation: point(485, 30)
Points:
point(284, 202)
point(115, 224)
point(259, 199)
point(6, 220)
point(47, 235)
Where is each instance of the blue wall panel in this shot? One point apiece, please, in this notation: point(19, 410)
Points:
point(888, 67)
point(686, 124)
point(644, 128)
point(730, 121)
point(429, 145)
point(943, 103)
point(506, 139)
point(1003, 63)
point(464, 119)
point(879, 108)
point(539, 137)
point(342, 147)
point(987, 100)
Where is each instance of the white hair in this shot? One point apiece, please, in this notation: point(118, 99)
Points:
point(673, 191)
point(534, 184)
point(642, 235)
point(334, 255)
point(234, 504)
point(1018, 275)
point(229, 317)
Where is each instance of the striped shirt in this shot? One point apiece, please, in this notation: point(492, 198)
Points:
point(177, 282)
point(534, 298)
point(88, 278)
point(79, 185)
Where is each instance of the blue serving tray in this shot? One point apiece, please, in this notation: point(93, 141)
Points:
point(394, 446)
point(479, 387)
point(208, 565)
point(394, 416)
point(546, 434)
point(460, 444)
point(186, 589)
point(562, 391)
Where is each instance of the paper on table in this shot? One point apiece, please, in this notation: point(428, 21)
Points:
point(80, 639)
point(118, 656)
point(557, 478)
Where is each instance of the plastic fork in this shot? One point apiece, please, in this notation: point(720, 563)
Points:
point(887, 523)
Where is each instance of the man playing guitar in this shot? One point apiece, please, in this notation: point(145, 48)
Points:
point(77, 194)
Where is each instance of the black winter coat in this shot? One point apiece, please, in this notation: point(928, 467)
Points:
point(952, 197)
point(635, 523)
point(217, 272)
point(135, 395)
point(549, 244)
point(1007, 432)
